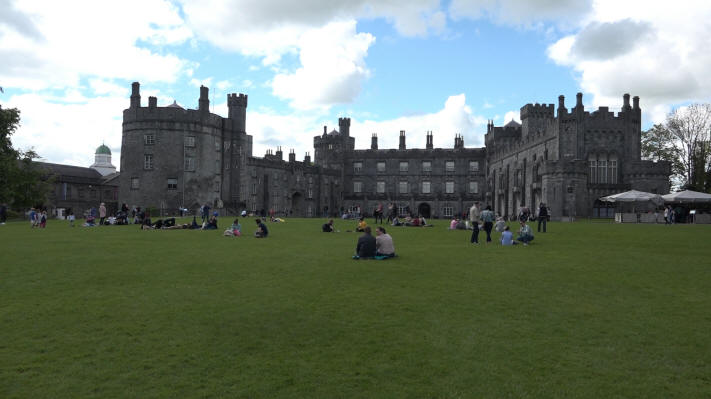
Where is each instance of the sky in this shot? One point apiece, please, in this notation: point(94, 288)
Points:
point(389, 65)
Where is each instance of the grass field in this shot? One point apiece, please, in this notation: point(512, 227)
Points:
point(593, 310)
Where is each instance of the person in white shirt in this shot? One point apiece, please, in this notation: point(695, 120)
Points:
point(383, 243)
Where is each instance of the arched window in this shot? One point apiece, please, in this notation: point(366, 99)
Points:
point(613, 168)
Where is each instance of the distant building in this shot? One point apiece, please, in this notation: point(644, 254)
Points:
point(81, 188)
point(173, 157)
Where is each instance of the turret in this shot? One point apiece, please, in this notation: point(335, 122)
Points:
point(429, 144)
point(204, 101)
point(561, 105)
point(135, 95)
point(579, 102)
point(635, 103)
point(237, 110)
point(307, 158)
point(152, 102)
point(402, 140)
point(458, 141)
point(292, 156)
point(279, 154)
point(374, 141)
point(626, 102)
point(344, 126)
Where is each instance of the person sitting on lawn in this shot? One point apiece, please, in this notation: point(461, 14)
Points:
point(361, 224)
point(525, 235)
point(235, 230)
point(453, 224)
point(211, 223)
point(328, 227)
point(366, 245)
point(262, 231)
point(507, 237)
point(384, 243)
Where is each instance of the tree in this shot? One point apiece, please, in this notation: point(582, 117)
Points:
point(21, 183)
point(691, 129)
point(658, 145)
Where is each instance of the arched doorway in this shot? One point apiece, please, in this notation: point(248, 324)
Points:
point(424, 210)
point(296, 205)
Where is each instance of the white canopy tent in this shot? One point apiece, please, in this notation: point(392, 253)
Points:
point(635, 198)
point(687, 197)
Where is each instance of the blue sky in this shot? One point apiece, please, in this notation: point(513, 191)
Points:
point(390, 65)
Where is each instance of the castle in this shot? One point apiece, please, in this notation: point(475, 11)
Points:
point(173, 157)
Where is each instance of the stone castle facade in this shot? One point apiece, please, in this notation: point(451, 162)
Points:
point(173, 157)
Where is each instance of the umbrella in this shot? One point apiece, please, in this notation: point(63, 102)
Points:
point(634, 196)
point(687, 196)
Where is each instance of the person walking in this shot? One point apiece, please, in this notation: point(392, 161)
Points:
point(474, 217)
point(542, 217)
point(487, 216)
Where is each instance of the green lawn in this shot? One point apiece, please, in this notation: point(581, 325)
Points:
point(590, 309)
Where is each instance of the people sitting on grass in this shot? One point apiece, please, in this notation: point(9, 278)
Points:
point(328, 227)
point(525, 235)
point(453, 223)
point(211, 223)
point(507, 237)
point(235, 230)
point(262, 231)
point(366, 246)
point(396, 221)
point(361, 225)
point(384, 243)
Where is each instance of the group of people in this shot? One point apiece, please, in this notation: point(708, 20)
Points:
point(369, 247)
point(38, 218)
point(487, 218)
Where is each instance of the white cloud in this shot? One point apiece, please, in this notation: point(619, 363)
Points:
point(67, 130)
point(524, 13)
point(646, 48)
point(87, 38)
point(270, 29)
point(332, 67)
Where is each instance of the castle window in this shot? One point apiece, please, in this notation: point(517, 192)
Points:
point(593, 170)
point(254, 188)
point(473, 166)
point(602, 170)
point(402, 210)
point(189, 164)
point(218, 146)
point(330, 146)
point(357, 186)
point(403, 187)
point(189, 141)
point(134, 183)
point(357, 167)
point(217, 166)
point(92, 193)
point(380, 166)
point(309, 211)
point(447, 211)
point(404, 166)
point(427, 166)
point(380, 187)
point(449, 187)
point(310, 193)
point(172, 184)
point(148, 161)
point(473, 187)
point(613, 171)
point(426, 187)
point(217, 186)
point(449, 166)
point(149, 139)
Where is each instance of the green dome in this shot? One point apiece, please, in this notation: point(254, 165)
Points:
point(103, 150)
